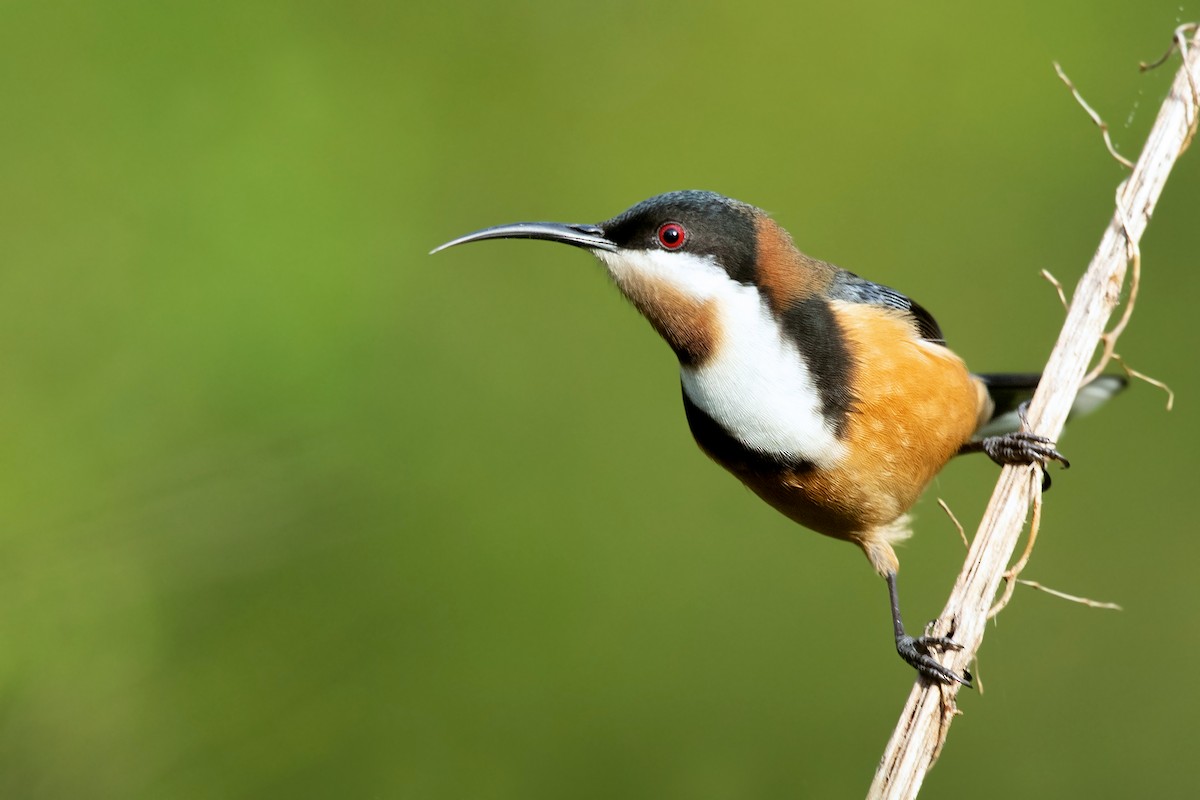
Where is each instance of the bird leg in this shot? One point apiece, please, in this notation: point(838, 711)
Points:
point(916, 650)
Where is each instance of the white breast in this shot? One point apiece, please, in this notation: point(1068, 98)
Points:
point(758, 387)
point(756, 384)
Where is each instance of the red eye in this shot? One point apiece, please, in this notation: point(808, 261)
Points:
point(671, 235)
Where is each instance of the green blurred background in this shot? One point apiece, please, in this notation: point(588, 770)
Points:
point(290, 509)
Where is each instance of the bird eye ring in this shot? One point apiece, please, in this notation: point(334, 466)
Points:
point(671, 235)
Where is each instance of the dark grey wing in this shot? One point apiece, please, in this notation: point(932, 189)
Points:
point(849, 287)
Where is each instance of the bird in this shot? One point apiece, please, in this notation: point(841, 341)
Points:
point(833, 398)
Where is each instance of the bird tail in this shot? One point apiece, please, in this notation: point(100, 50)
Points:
point(1009, 390)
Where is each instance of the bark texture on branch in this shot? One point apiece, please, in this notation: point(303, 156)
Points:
point(926, 718)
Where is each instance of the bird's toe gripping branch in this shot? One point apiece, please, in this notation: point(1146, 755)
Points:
point(1022, 448)
point(916, 651)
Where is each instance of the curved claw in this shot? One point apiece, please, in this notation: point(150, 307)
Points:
point(915, 651)
point(1022, 448)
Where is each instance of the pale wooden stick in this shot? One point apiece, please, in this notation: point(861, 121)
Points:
point(924, 723)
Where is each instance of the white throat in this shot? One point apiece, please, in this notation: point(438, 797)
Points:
point(756, 384)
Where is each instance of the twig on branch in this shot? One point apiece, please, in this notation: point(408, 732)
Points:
point(962, 533)
point(1096, 118)
point(1133, 373)
point(1179, 41)
point(1011, 574)
point(924, 723)
point(1058, 287)
point(1073, 598)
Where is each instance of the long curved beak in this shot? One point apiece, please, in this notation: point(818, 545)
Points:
point(589, 237)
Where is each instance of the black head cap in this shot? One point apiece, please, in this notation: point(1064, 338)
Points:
point(712, 224)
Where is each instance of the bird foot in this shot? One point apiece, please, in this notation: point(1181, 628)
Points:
point(1022, 448)
point(916, 651)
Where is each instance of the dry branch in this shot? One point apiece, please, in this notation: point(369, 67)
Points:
point(926, 718)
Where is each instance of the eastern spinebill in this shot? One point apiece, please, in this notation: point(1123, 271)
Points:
point(834, 399)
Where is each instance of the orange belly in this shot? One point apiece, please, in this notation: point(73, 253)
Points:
point(915, 406)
